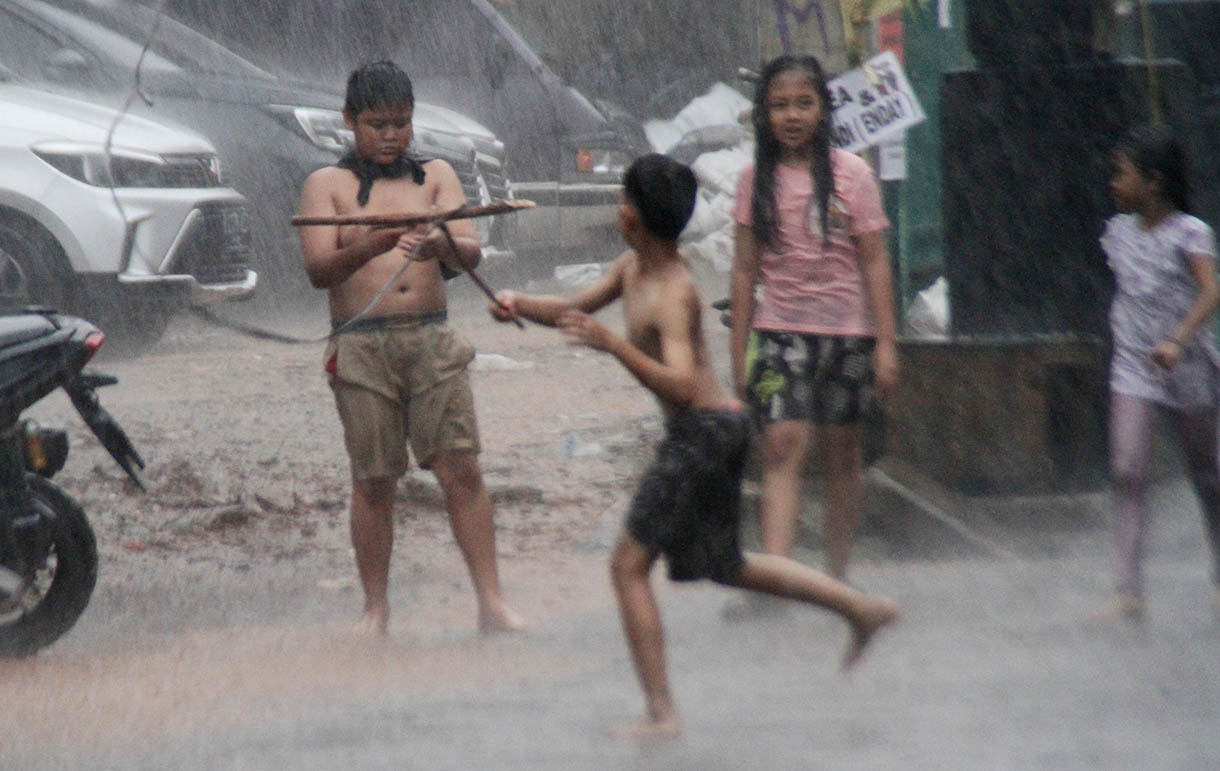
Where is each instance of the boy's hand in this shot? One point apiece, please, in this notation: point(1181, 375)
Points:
point(381, 240)
point(582, 329)
point(505, 306)
point(431, 243)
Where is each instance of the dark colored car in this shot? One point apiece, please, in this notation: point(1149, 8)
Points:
point(270, 132)
point(565, 153)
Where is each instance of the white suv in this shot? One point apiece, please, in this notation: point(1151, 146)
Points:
point(114, 217)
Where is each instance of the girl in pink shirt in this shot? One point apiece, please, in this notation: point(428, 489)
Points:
point(820, 337)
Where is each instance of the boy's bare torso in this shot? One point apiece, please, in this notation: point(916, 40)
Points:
point(651, 293)
point(420, 287)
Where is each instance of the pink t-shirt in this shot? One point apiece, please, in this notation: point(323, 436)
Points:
point(808, 287)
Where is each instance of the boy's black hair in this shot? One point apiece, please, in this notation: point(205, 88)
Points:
point(1154, 149)
point(663, 191)
point(378, 84)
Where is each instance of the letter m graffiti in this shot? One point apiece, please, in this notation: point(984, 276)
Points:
point(785, 10)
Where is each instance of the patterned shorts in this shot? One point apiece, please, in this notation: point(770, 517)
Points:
point(688, 504)
point(823, 379)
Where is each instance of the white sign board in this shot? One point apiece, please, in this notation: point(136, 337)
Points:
point(872, 104)
point(892, 161)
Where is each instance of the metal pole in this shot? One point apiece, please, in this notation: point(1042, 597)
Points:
point(1154, 89)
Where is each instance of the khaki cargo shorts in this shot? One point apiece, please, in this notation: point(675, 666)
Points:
point(397, 379)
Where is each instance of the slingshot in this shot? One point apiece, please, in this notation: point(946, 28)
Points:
point(436, 220)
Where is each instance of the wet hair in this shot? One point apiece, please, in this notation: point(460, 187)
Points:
point(375, 85)
point(663, 191)
point(1155, 150)
point(767, 150)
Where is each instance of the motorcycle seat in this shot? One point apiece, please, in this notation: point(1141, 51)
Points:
point(23, 327)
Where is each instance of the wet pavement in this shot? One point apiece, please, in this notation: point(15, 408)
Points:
point(993, 666)
point(196, 659)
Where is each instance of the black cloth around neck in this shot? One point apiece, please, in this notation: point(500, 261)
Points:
point(369, 172)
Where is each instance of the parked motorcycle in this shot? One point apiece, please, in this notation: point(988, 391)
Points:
point(48, 553)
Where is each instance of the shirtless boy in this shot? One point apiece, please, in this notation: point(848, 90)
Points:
point(686, 507)
point(398, 372)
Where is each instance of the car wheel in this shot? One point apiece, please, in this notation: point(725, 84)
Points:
point(33, 268)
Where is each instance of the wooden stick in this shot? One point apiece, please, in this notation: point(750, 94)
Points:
point(479, 282)
point(403, 220)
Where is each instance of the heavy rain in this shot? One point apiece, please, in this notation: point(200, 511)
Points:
point(1042, 504)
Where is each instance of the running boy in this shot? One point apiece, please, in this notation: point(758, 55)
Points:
point(398, 372)
point(686, 507)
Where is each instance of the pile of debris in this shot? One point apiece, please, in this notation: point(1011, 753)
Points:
point(713, 134)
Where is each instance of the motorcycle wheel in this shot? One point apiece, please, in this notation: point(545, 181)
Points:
point(63, 583)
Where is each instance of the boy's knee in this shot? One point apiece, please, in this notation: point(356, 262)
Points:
point(620, 569)
point(374, 490)
point(629, 562)
point(457, 471)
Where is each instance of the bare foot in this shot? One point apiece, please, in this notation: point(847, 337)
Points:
point(1124, 607)
point(879, 612)
point(648, 729)
point(500, 618)
point(373, 624)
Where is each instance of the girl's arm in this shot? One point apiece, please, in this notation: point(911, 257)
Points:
point(741, 298)
point(546, 310)
point(874, 259)
point(1166, 353)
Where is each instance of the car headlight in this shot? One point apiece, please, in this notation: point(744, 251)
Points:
point(92, 165)
point(601, 161)
point(324, 129)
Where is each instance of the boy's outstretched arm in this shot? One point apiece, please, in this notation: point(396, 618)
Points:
point(672, 377)
point(545, 309)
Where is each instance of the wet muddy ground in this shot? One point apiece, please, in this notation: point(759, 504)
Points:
point(218, 636)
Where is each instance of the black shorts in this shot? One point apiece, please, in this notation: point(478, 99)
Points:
point(688, 504)
point(825, 379)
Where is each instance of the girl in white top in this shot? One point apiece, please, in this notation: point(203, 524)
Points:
point(1165, 357)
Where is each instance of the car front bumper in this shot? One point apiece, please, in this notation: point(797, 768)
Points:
point(193, 243)
point(199, 294)
point(567, 216)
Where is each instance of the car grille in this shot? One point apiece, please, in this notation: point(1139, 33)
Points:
point(188, 171)
point(217, 248)
point(493, 177)
point(469, 177)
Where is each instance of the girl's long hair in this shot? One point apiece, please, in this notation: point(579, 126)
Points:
point(767, 150)
point(1155, 149)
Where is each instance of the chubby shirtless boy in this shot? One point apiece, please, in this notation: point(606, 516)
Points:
point(397, 370)
point(687, 504)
